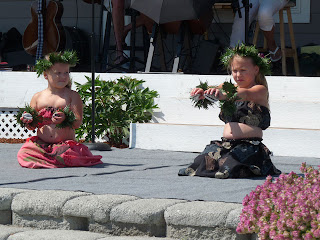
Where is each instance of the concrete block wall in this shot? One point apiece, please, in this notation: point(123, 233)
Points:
point(119, 215)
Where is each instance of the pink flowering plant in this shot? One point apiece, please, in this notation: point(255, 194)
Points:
point(287, 208)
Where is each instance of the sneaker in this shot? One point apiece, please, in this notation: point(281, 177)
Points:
point(275, 56)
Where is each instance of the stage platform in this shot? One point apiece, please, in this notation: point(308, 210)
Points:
point(178, 126)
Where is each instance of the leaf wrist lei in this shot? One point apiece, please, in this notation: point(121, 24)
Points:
point(69, 120)
point(40, 119)
point(36, 119)
point(67, 57)
point(227, 106)
point(202, 103)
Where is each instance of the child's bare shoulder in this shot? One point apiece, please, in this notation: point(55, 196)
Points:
point(39, 94)
point(74, 93)
point(75, 96)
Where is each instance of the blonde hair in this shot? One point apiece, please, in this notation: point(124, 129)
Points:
point(261, 80)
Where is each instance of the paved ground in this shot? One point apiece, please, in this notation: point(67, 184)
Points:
point(137, 172)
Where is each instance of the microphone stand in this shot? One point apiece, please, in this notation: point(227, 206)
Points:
point(94, 145)
point(246, 6)
point(236, 8)
point(92, 74)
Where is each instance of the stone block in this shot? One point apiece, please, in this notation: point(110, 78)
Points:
point(7, 195)
point(141, 217)
point(203, 220)
point(95, 208)
point(6, 231)
point(49, 222)
point(43, 209)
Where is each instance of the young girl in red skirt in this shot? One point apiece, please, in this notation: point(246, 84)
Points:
point(56, 112)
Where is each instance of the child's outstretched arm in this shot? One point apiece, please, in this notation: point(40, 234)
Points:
point(77, 108)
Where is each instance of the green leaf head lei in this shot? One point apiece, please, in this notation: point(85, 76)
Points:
point(68, 57)
point(262, 61)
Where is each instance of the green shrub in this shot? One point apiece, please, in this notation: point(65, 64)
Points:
point(117, 104)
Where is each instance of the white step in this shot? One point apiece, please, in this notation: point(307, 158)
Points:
point(193, 138)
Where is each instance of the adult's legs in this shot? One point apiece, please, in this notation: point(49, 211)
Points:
point(118, 25)
point(141, 20)
point(271, 43)
point(265, 17)
point(238, 27)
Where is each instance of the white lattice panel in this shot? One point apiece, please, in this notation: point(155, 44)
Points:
point(9, 128)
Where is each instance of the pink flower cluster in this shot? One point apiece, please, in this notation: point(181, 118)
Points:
point(288, 208)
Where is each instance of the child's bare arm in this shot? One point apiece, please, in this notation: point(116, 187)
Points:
point(257, 94)
point(77, 108)
point(34, 100)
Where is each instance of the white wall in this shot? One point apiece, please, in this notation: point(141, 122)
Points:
point(294, 102)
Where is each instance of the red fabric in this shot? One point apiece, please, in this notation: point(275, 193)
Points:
point(37, 154)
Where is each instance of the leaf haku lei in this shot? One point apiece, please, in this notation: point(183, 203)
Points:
point(67, 57)
point(263, 62)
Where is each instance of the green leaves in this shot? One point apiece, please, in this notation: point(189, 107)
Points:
point(202, 103)
point(263, 62)
point(229, 88)
point(69, 120)
point(117, 104)
point(35, 116)
point(227, 106)
point(68, 57)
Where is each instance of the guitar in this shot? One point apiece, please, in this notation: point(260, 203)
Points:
point(54, 38)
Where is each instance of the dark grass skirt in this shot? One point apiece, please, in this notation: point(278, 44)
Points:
point(228, 158)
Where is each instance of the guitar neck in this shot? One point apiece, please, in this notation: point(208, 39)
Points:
point(42, 6)
point(41, 17)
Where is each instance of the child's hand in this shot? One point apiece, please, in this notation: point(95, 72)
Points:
point(216, 93)
point(29, 127)
point(26, 117)
point(58, 117)
point(197, 91)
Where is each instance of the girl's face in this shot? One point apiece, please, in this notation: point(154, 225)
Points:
point(244, 72)
point(58, 75)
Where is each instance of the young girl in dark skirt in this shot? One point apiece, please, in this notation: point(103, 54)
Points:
point(240, 153)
